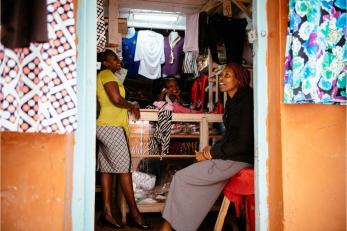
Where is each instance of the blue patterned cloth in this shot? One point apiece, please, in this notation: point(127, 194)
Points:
point(316, 53)
point(128, 52)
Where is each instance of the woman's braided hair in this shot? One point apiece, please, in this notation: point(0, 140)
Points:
point(241, 74)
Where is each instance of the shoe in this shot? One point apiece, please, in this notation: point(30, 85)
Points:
point(132, 223)
point(105, 223)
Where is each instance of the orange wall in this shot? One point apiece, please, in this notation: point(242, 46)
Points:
point(314, 167)
point(34, 176)
point(312, 149)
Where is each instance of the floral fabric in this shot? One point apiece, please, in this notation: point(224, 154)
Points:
point(38, 83)
point(316, 54)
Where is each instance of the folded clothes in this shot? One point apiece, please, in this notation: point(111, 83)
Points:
point(166, 106)
point(147, 201)
point(143, 180)
point(178, 108)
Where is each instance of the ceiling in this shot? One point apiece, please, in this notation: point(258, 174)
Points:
point(182, 6)
point(127, 8)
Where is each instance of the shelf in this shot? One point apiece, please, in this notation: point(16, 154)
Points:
point(195, 136)
point(140, 150)
point(164, 156)
point(152, 115)
point(150, 207)
point(159, 207)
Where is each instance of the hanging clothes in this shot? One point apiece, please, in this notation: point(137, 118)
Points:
point(160, 142)
point(128, 52)
point(150, 52)
point(191, 45)
point(190, 65)
point(191, 39)
point(316, 54)
point(173, 49)
point(226, 38)
point(38, 84)
point(198, 93)
point(100, 27)
point(23, 22)
point(203, 33)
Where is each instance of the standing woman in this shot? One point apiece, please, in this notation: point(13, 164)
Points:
point(195, 189)
point(112, 134)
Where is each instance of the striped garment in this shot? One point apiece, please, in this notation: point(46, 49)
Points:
point(160, 142)
point(189, 63)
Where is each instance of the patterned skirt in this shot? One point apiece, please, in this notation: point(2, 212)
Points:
point(113, 150)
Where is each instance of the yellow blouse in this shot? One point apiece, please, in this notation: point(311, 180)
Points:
point(110, 115)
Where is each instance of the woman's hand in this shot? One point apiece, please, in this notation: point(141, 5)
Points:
point(204, 154)
point(174, 95)
point(162, 95)
point(135, 110)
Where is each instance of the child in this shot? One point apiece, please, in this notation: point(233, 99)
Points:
point(171, 94)
point(171, 91)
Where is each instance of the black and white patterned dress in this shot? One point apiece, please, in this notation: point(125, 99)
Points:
point(113, 155)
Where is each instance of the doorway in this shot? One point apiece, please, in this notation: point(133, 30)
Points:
point(83, 185)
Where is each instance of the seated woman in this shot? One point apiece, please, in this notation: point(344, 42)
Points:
point(195, 189)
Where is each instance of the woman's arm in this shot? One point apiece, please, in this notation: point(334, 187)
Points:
point(112, 90)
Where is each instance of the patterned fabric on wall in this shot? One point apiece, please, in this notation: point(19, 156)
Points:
point(38, 84)
point(316, 54)
point(101, 27)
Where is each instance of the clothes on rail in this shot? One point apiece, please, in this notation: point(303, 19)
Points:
point(128, 52)
point(150, 52)
point(173, 49)
point(228, 33)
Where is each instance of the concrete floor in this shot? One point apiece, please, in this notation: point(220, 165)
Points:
point(156, 220)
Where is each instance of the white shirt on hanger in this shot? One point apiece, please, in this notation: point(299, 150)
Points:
point(150, 52)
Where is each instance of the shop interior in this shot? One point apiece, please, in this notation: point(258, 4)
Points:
point(197, 39)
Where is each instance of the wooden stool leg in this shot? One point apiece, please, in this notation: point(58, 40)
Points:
point(221, 215)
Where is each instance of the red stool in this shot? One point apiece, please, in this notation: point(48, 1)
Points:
point(239, 188)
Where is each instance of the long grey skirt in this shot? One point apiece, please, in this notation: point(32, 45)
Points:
point(195, 189)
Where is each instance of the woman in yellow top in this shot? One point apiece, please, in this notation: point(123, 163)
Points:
point(112, 133)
